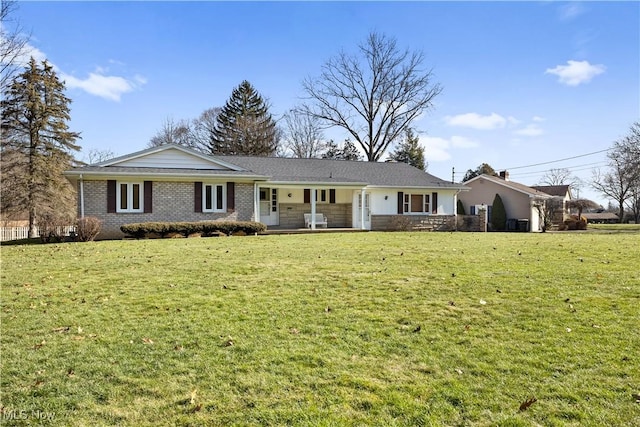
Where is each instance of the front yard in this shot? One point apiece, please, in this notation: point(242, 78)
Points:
point(324, 329)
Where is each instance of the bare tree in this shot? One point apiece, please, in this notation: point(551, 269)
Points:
point(374, 95)
point(561, 176)
point(633, 202)
point(624, 170)
point(13, 44)
point(172, 132)
point(582, 204)
point(96, 155)
point(304, 137)
point(202, 129)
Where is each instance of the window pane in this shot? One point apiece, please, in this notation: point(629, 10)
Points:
point(136, 196)
point(123, 196)
point(208, 198)
point(219, 197)
point(426, 203)
point(416, 203)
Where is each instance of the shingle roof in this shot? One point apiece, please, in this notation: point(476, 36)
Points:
point(391, 174)
point(510, 184)
point(553, 190)
point(282, 170)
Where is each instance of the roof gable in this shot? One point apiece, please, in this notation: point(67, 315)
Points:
point(509, 184)
point(170, 157)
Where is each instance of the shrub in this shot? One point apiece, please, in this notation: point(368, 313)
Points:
point(573, 223)
point(87, 228)
point(460, 208)
point(186, 229)
point(51, 228)
point(498, 214)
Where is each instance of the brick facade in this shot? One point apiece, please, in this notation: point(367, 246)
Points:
point(172, 201)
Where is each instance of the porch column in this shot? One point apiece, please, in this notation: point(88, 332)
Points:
point(363, 214)
point(313, 208)
point(81, 197)
point(256, 202)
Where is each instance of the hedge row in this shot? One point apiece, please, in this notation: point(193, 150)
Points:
point(204, 228)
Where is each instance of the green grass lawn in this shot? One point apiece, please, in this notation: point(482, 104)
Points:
point(454, 329)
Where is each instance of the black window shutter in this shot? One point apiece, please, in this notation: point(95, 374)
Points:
point(197, 197)
point(307, 195)
point(400, 202)
point(231, 195)
point(148, 196)
point(434, 203)
point(332, 195)
point(111, 196)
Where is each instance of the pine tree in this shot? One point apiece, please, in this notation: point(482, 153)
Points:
point(244, 125)
point(36, 146)
point(410, 151)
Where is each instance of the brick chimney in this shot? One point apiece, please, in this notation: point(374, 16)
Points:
point(504, 175)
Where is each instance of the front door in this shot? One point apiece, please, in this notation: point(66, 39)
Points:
point(367, 211)
point(269, 206)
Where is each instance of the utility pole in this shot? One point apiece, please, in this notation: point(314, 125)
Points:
point(453, 174)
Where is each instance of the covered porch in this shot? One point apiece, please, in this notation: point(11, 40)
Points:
point(284, 206)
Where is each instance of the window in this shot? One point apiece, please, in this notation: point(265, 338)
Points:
point(416, 203)
point(321, 196)
point(213, 198)
point(130, 197)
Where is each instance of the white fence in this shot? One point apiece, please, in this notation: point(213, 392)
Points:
point(17, 233)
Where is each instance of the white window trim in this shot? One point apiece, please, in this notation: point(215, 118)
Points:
point(406, 203)
point(214, 187)
point(130, 185)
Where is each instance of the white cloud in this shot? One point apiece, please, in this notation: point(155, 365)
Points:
point(437, 149)
point(107, 87)
point(513, 121)
point(570, 11)
point(28, 52)
point(538, 119)
point(576, 72)
point(477, 121)
point(98, 83)
point(530, 130)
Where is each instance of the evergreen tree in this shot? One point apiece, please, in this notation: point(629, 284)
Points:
point(36, 146)
point(244, 125)
point(498, 214)
point(410, 151)
point(348, 151)
point(482, 169)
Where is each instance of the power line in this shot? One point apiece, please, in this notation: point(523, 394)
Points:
point(556, 161)
point(569, 168)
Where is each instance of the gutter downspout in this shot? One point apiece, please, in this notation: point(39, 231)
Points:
point(81, 197)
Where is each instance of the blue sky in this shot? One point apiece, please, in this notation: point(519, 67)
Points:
point(524, 82)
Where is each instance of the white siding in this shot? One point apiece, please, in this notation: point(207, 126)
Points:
point(171, 158)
